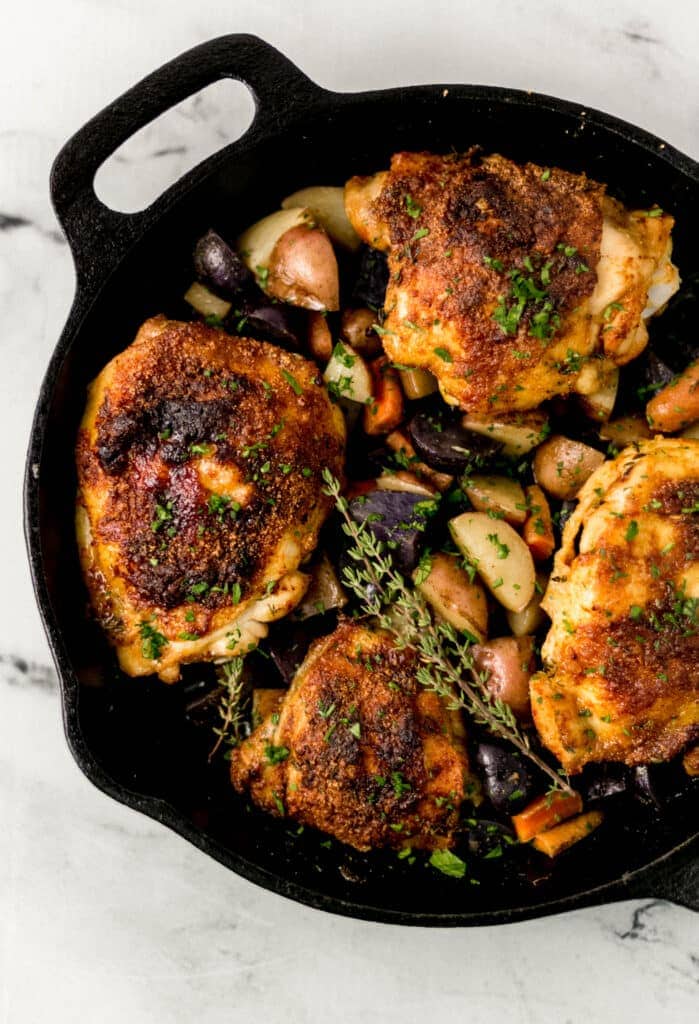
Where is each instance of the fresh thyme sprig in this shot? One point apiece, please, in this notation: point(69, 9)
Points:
point(447, 666)
point(230, 705)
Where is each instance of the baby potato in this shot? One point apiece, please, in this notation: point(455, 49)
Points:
point(518, 433)
point(450, 592)
point(327, 206)
point(498, 494)
point(509, 662)
point(205, 302)
point(348, 375)
point(418, 383)
point(561, 466)
point(357, 327)
point(500, 556)
point(319, 338)
point(625, 430)
point(530, 618)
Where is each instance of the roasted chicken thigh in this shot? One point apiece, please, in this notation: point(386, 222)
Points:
point(510, 283)
point(621, 676)
point(359, 749)
point(199, 463)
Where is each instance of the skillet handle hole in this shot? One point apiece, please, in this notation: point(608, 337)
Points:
point(161, 152)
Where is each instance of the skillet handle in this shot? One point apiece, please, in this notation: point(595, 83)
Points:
point(98, 234)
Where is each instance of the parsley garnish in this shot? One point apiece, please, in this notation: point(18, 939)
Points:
point(448, 863)
point(152, 642)
point(292, 382)
point(414, 209)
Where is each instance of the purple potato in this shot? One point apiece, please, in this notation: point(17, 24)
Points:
point(507, 782)
point(372, 278)
point(444, 444)
point(398, 519)
point(270, 321)
point(220, 266)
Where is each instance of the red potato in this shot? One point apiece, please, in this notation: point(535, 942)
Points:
point(357, 327)
point(303, 269)
point(561, 466)
point(509, 662)
point(677, 405)
point(450, 592)
point(319, 338)
point(385, 410)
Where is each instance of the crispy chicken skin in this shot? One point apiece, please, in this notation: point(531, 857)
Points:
point(359, 749)
point(621, 678)
point(456, 228)
point(199, 463)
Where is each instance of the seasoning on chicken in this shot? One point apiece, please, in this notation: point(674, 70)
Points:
point(199, 466)
point(359, 749)
point(621, 678)
point(510, 283)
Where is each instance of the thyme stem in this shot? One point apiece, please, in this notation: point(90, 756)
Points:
point(446, 661)
point(229, 708)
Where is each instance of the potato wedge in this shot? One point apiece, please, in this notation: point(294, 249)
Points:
point(418, 383)
point(293, 259)
point(347, 375)
point(561, 466)
point(324, 591)
point(518, 433)
point(625, 430)
point(502, 559)
point(449, 591)
point(205, 302)
point(326, 203)
point(497, 494)
point(406, 481)
point(533, 616)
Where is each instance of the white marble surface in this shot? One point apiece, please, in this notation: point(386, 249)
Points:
point(105, 916)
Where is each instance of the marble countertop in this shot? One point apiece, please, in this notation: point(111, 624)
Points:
point(104, 915)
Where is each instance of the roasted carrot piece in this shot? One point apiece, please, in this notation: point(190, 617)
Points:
point(557, 839)
point(677, 405)
point(385, 410)
point(320, 342)
point(538, 528)
point(545, 812)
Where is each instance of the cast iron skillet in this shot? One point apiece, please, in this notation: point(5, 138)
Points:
point(133, 738)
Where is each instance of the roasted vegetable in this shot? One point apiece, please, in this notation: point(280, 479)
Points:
point(220, 266)
point(293, 259)
point(561, 466)
point(324, 592)
point(538, 527)
point(403, 480)
point(447, 588)
point(205, 302)
point(532, 617)
point(384, 411)
point(446, 445)
point(500, 557)
point(405, 454)
point(499, 495)
point(398, 519)
point(555, 840)
point(347, 375)
point(271, 321)
point(599, 404)
point(625, 430)
point(487, 840)
point(509, 663)
point(677, 405)
point(545, 812)
point(507, 781)
point(357, 328)
point(604, 781)
point(516, 434)
point(319, 337)
point(418, 383)
point(326, 204)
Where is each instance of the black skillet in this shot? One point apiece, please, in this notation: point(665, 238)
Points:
point(132, 738)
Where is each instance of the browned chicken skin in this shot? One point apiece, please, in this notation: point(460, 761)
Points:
point(510, 283)
point(359, 749)
point(622, 656)
point(199, 466)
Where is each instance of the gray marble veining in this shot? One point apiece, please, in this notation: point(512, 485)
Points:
point(104, 915)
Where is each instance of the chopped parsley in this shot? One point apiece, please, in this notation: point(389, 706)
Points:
point(152, 642)
point(414, 209)
point(448, 863)
point(292, 382)
point(443, 354)
point(275, 755)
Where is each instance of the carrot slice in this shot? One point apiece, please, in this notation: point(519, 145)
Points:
point(538, 527)
point(545, 812)
point(555, 840)
point(385, 410)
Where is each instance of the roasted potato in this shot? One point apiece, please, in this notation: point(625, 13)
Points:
point(499, 495)
point(509, 662)
point(448, 589)
point(326, 203)
point(517, 434)
point(500, 556)
point(561, 466)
